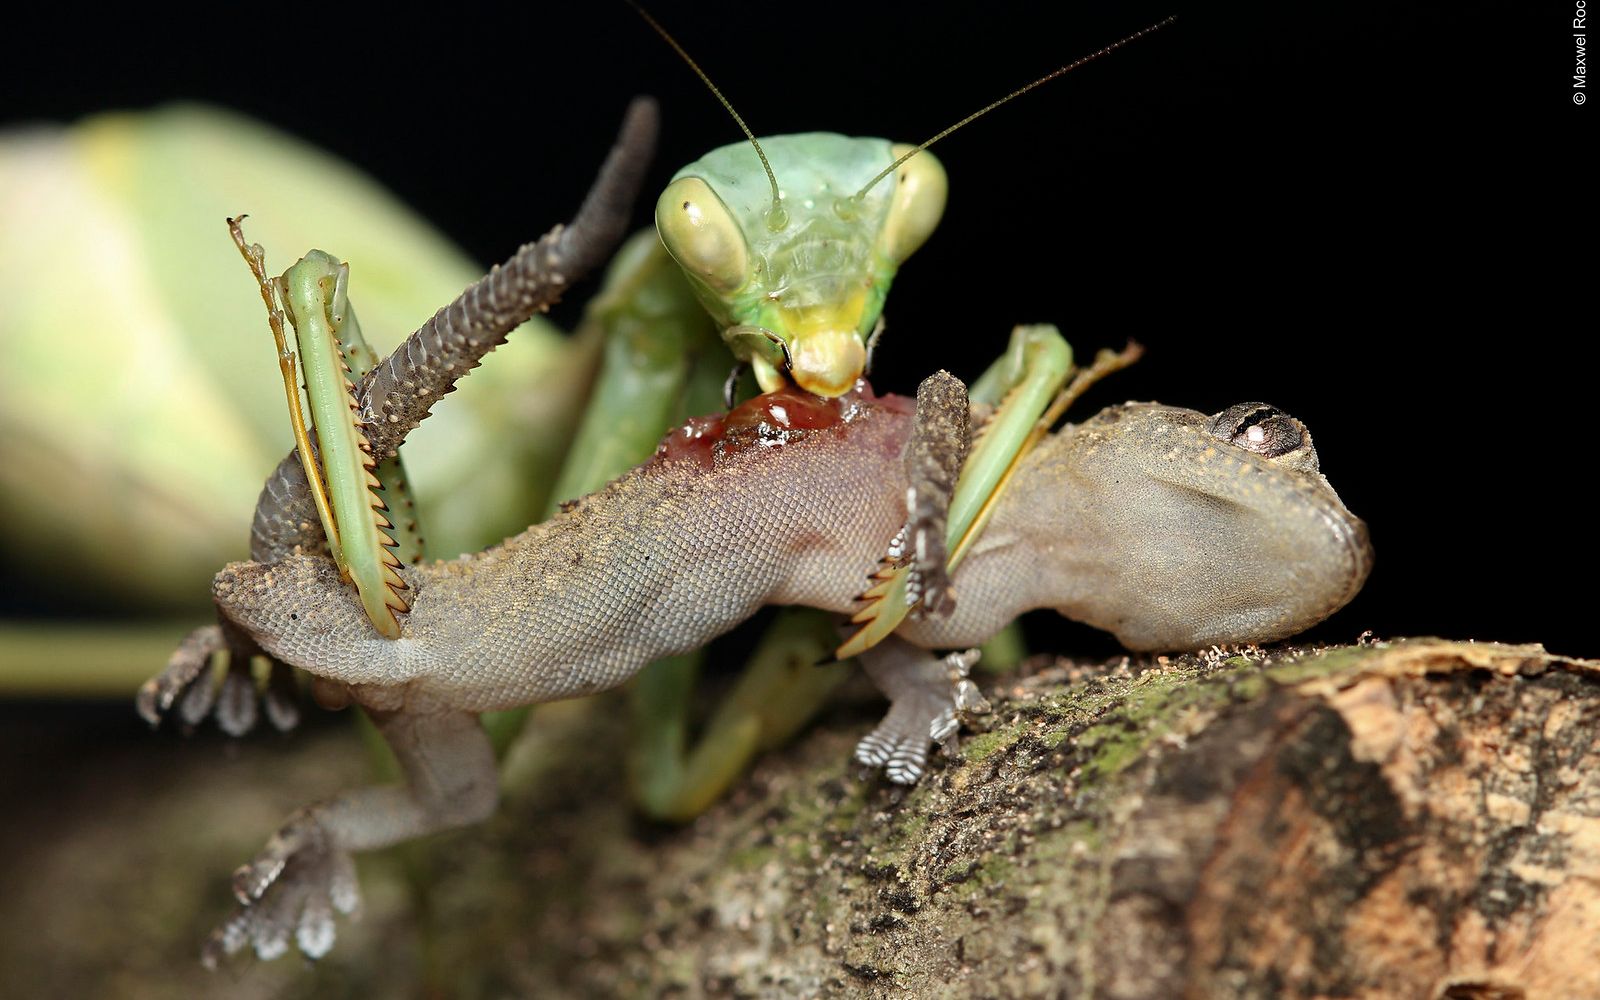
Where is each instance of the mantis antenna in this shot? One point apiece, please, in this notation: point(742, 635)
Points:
point(1069, 67)
point(777, 217)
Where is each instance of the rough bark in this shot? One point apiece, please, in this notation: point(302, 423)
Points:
point(1416, 819)
point(1419, 819)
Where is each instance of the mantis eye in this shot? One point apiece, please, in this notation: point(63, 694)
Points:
point(702, 235)
point(1267, 431)
point(919, 195)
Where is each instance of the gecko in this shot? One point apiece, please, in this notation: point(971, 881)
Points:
point(1169, 528)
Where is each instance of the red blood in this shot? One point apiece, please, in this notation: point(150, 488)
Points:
point(693, 440)
point(769, 420)
point(790, 408)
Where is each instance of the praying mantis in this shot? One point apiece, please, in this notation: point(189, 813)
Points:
point(796, 286)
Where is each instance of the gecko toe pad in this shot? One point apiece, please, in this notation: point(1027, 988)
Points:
point(928, 698)
point(288, 895)
point(188, 689)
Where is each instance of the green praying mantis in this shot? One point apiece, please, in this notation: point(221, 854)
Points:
point(794, 278)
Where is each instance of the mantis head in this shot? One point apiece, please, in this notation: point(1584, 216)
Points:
point(798, 284)
point(797, 275)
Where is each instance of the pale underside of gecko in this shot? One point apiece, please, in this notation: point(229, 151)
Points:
point(1169, 528)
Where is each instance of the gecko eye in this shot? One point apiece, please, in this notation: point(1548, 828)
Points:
point(919, 194)
point(702, 235)
point(1266, 431)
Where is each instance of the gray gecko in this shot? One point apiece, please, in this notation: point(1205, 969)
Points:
point(1169, 528)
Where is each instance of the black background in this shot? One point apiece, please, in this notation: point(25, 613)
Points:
point(1341, 211)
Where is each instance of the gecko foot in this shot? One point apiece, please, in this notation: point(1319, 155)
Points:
point(288, 892)
point(927, 698)
point(928, 588)
point(188, 691)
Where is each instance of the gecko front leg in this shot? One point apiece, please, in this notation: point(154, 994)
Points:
point(186, 687)
point(934, 455)
point(292, 889)
point(926, 693)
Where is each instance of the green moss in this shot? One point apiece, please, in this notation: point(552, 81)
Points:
point(983, 745)
point(1249, 688)
point(978, 880)
point(1129, 714)
point(995, 870)
point(906, 833)
point(958, 872)
point(750, 857)
point(1114, 749)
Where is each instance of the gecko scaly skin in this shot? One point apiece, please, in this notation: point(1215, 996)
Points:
point(1141, 521)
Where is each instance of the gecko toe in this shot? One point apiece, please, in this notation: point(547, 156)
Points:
point(288, 897)
point(315, 932)
point(903, 757)
point(281, 701)
point(226, 940)
point(874, 749)
point(188, 690)
point(236, 700)
point(196, 701)
point(188, 666)
point(927, 699)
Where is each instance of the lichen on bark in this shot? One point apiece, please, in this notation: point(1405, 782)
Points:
point(1399, 819)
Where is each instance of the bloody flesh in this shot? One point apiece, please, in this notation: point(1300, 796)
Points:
point(768, 420)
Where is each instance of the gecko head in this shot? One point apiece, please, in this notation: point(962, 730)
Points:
point(299, 611)
point(1211, 529)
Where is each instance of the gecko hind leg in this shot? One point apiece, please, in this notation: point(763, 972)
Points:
point(309, 883)
point(927, 697)
point(290, 891)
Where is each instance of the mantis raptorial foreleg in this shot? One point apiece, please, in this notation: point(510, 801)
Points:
point(1033, 371)
point(340, 470)
point(1029, 389)
point(394, 490)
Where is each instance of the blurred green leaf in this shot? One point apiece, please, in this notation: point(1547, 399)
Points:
point(140, 408)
